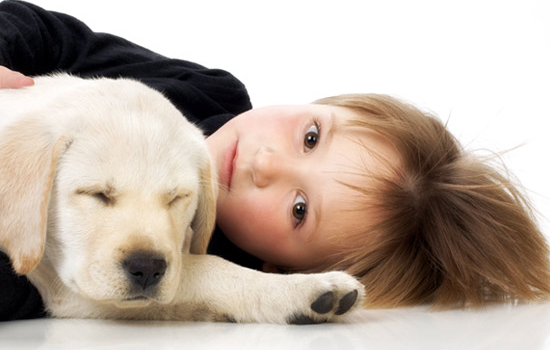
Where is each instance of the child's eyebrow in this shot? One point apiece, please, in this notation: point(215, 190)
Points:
point(317, 212)
point(330, 127)
point(326, 139)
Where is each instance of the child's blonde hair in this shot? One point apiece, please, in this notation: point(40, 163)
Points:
point(454, 230)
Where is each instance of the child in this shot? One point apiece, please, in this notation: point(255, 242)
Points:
point(362, 183)
point(409, 212)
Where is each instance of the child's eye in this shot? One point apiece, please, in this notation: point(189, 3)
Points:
point(311, 137)
point(299, 210)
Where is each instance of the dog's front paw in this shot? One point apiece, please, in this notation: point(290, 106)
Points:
point(328, 297)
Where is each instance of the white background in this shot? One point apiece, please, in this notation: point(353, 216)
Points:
point(484, 65)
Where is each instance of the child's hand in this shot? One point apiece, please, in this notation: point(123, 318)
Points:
point(13, 80)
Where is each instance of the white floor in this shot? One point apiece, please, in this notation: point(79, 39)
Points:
point(523, 327)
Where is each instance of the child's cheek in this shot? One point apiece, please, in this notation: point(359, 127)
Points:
point(267, 223)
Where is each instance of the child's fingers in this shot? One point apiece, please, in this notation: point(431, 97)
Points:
point(13, 80)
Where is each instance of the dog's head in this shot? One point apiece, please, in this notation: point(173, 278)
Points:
point(120, 191)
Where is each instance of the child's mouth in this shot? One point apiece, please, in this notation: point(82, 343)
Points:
point(229, 161)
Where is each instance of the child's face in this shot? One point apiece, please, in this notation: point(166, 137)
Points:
point(279, 195)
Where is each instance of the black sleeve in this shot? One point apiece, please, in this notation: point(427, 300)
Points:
point(35, 42)
point(19, 299)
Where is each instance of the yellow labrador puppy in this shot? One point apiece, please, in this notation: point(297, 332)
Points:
point(107, 203)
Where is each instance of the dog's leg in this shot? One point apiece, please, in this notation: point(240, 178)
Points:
point(215, 289)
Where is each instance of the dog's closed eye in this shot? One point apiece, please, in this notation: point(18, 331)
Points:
point(104, 195)
point(104, 198)
point(176, 196)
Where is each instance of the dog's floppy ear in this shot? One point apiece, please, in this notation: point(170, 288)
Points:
point(28, 154)
point(205, 217)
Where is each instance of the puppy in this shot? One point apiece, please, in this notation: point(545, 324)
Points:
point(107, 203)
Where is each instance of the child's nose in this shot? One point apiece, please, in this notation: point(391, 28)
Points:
point(269, 166)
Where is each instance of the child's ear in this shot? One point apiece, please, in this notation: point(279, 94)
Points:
point(29, 156)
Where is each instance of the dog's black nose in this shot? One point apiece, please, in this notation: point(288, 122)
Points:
point(144, 269)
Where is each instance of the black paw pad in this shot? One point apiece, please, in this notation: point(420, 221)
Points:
point(323, 304)
point(302, 319)
point(346, 302)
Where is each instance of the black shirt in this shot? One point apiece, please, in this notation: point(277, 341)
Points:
point(34, 42)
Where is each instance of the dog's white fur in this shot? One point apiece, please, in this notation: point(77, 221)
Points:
point(93, 171)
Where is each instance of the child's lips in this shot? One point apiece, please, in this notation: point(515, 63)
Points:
point(228, 166)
